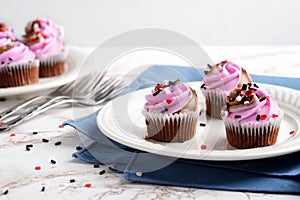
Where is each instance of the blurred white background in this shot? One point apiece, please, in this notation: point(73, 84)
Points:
point(208, 22)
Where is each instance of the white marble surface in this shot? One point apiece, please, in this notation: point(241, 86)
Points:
point(17, 166)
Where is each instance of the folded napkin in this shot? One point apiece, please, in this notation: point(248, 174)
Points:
point(270, 175)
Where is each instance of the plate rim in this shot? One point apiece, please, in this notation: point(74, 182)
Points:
point(263, 152)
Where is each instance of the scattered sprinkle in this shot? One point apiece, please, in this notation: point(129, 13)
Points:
point(43, 189)
point(257, 96)
point(57, 143)
point(60, 126)
point(202, 86)
point(164, 110)
point(34, 133)
point(246, 102)
point(139, 174)
point(45, 140)
point(268, 98)
point(238, 98)
point(262, 99)
point(169, 101)
point(78, 148)
point(202, 124)
point(237, 116)
point(203, 146)
point(157, 92)
point(5, 192)
point(88, 185)
point(37, 168)
point(10, 59)
point(292, 132)
point(255, 85)
point(53, 161)
point(257, 117)
point(96, 166)
point(274, 116)
point(263, 117)
point(244, 87)
point(28, 146)
point(2, 123)
point(72, 180)
point(12, 135)
point(102, 172)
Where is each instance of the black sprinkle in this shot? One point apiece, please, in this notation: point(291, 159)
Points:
point(102, 172)
point(2, 62)
point(34, 133)
point(262, 99)
point(254, 89)
point(43, 189)
point(231, 99)
point(5, 192)
point(255, 85)
point(257, 117)
point(205, 72)
point(202, 124)
point(53, 162)
point(164, 110)
point(28, 146)
point(258, 96)
point(157, 92)
point(244, 87)
point(78, 148)
point(200, 113)
point(202, 86)
point(244, 98)
point(2, 99)
point(45, 140)
point(96, 166)
point(57, 143)
point(250, 84)
point(227, 106)
point(237, 116)
point(209, 66)
point(72, 180)
point(10, 59)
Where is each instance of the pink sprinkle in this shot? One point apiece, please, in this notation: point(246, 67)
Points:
point(12, 135)
point(203, 146)
point(292, 132)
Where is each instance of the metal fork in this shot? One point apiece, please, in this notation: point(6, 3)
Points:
point(103, 92)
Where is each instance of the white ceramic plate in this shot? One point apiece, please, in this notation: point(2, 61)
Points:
point(74, 58)
point(122, 121)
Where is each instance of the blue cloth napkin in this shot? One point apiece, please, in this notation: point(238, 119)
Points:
point(271, 175)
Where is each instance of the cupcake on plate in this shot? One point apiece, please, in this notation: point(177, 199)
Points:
point(43, 38)
point(252, 118)
point(6, 32)
point(219, 81)
point(171, 112)
point(18, 65)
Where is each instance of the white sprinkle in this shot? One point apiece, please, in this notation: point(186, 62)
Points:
point(166, 82)
point(246, 102)
point(139, 174)
point(258, 110)
point(238, 98)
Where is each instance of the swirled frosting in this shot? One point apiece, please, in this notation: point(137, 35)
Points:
point(6, 32)
point(44, 47)
point(46, 26)
point(14, 53)
point(250, 104)
point(225, 76)
point(171, 97)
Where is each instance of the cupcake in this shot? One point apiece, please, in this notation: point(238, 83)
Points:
point(171, 112)
point(6, 32)
point(18, 66)
point(219, 81)
point(252, 118)
point(43, 38)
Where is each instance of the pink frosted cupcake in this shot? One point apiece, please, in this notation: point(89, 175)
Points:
point(252, 118)
point(18, 66)
point(43, 37)
point(171, 112)
point(220, 80)
point(6, 32)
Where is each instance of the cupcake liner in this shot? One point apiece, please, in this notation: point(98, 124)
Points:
point(19, 74)
point(52, 65)
point(171, 128)
point(215, 100)
point(252, 135)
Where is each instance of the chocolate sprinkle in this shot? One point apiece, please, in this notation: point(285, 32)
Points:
point(43, 189)
point(5, 192)
point(202, 86)
point(227, 106)
point(78, 148)
point(257, 117)
point(262, 99)
point(53, 162)
point(10, 59)
point(72, 180)
point(244, 87)
point(2, 62)
point(28, 146)
point(157, 92)
point(254, 89)
point(164, 110)
point(102, 172)
point(202, 124)
point(258, 96)
point(45, 140)
point(255, 85)
point(34, 133)
point(237, 116)
point(57, 143)
point(96, 166)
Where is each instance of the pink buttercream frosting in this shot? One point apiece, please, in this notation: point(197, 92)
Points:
point(17, 53)
point(250, 105)
point(168, 98)
point(225, 76)
point(6, 32)
point(44, 25)
point(45, 47)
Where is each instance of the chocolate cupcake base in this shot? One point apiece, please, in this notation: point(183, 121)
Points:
point(52, 65)
point(171, 128)
point(214, 101)
point(19, 75)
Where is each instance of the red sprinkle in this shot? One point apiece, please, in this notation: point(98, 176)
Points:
point(37, 168)
point(88, 185)
point(2, 122)
point(12, 135)
point(169, 101)
point(158, 86)
point(203, 146)
point(60, 126)
point(263, 117)
point(274, 115)
point(292, 132)
point(268, 98)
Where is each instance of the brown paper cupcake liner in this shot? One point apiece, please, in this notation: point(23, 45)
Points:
point(214, 101)
point(171, 128)
point(52, 65)
point(252, 135)
point(19, 74)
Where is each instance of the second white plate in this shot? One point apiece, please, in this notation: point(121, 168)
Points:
point(122, 121)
